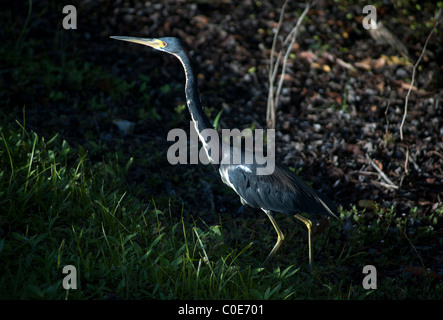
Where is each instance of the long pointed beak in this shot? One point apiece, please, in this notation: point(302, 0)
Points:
point(154, 43)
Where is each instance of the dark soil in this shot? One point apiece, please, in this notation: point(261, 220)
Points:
point(332, 121)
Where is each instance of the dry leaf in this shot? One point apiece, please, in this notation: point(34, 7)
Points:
point(406, 86)
point(335, 95)
point(423, 272)
point(394, 60)
point(308, 55)
point(316, 65)
point(379, 164)
point(344, 64)
point(380, 86)
point(201, 20)
point(364, 64)
point(380, 62)
point(353, 148)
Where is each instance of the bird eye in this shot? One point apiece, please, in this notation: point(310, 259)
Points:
point(164, 44)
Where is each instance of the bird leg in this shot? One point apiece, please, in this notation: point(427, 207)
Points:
point(308, 224)
point(280, 236)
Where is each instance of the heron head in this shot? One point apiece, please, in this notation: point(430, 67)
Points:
point(167, 44)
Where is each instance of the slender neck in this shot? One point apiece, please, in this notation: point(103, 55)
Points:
point(199, 118)
point(192, 97)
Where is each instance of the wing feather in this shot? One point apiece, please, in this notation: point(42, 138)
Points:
point(281, 191)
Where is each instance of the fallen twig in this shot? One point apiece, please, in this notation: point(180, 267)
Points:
point(382, 174)
point(386, 185)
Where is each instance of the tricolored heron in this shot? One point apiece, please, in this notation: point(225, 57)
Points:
point(282, 191)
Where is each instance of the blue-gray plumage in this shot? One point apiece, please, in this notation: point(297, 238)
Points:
point(281, 191)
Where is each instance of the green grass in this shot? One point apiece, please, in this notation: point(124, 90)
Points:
point(58, 208)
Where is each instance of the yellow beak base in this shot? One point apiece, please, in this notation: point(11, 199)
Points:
point(154, 43)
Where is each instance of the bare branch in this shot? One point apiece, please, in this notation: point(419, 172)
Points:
point(274, 96)
point(414, 68)
point(294, 33)
point(270, 112)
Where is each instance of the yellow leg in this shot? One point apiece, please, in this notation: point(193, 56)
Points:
point(308, 224)
point(280, 235)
